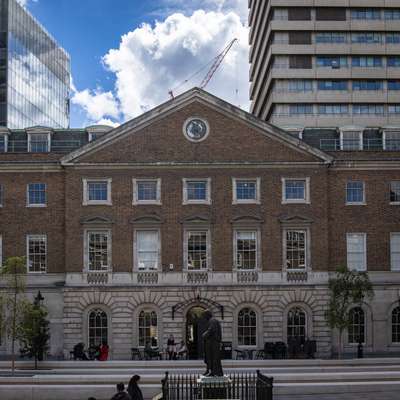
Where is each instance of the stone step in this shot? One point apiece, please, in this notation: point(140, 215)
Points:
point(199, 364)
point(104, 392)
point(83, 379)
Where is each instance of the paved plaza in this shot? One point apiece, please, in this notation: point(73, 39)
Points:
point(364, 379)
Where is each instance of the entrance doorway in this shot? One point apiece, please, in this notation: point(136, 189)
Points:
point(196, 325)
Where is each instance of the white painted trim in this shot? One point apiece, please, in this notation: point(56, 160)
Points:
point(41, 205)
point(39, 133)
point(306, 200)
point(137, 202)
point(307, 248)
point(87, 232)
point(257, 200)
point(1, 250)
point(364, 235)
point(184, 191)
point(5, 135)
point(135, 249)
point(356, 203)
point(40, 237)
point(85, 197)
point(352, 129)
point(393, 203)
point(392, 267)
point(258, 248)
point(185, 248)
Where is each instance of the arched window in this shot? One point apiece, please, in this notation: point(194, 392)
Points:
point(296, 325)
point(247, 327)
point(148, 332)
point(357, 325)
point(98, 327)
point(396, 325)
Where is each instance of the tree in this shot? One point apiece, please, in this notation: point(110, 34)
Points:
point(34, 332)
point(346, 288)
point(12, 300)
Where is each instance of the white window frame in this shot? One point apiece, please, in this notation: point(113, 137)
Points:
point(235, 200)
point(135, 249)
point(184, 191)
point(307, 248)
point(365, 263)
point(1, 253)
point(41, 205)
point(393, 203)
point(158, 330)
point(186, 253)
point(39, 133)
point(258, 248)
point(87, 202)
point(384, 137)
point(254, 310)
point(28, 237)
point(1, 195)
point(136, 201)
point(87, 232)
point(5, 142)
point(356, 203)
point(306, 200)
point(360, 138)
point(393, 251)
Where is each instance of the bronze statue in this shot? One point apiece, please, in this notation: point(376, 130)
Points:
point(212, 346)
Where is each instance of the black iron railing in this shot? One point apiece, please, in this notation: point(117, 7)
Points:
point(254, 386)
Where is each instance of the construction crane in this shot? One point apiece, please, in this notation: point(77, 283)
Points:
point(216, 62)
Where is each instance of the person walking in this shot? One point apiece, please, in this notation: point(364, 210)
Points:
point(121, 394)
point(134, 389)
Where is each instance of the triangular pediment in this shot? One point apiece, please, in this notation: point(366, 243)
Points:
point(158, 137)
point(96, 220)
point(147, 219)
point(295, 220)
point(197, 219)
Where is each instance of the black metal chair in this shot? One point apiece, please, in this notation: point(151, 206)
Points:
point(240, 354)
point(269, 350)
point(136, 354)
point(150, 354)
point(280, 350)
point(260, 355)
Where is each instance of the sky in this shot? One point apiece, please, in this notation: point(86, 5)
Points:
point(127, 54)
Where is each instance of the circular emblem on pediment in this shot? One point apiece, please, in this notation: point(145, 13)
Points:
point(196, 129)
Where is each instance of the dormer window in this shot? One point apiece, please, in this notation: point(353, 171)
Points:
point(38, 142)
point(97, 131)
point(351, 140)
point(391, 139)
point(3, 143)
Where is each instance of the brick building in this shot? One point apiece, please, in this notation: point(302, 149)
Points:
point(129, 233)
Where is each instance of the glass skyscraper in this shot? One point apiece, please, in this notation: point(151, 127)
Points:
point(34, 72)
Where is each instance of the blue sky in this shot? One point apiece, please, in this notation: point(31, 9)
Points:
point(124, 62)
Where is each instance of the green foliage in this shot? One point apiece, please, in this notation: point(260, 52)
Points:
point(34, 332)
point(12, 301)
point(346, 288)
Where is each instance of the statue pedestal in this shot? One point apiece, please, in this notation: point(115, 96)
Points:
point(214, 387)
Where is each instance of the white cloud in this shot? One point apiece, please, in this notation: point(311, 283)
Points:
point(152, 59)
point(107, 121)
point(24, 3)
point(97, 104)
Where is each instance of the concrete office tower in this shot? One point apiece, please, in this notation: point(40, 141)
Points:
point(34, 72)
point(320, 63)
